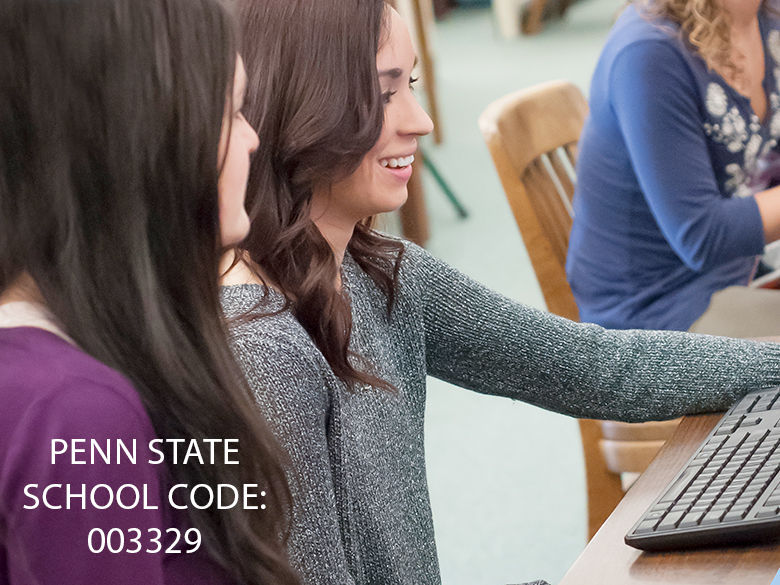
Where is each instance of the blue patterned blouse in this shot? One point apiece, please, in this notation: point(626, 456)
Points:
point(669, 156)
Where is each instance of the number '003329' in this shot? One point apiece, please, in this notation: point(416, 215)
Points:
point(151, 541)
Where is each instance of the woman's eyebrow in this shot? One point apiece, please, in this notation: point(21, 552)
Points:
point(395, 72)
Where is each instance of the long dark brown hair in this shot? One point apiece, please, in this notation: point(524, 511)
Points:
point(315, 99)
point(110, 118)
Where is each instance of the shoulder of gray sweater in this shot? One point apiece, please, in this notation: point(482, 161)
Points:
point(423, 276)
point(414, 260)
point(427, 275)
point(265, 336)
point(281, 363)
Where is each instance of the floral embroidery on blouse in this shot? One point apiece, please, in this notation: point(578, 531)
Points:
point(737, 183)
point(717, 102)
point(773, 44)
point(729, 127)
point(752, 149)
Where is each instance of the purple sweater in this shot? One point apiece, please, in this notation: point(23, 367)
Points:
point(50, 389)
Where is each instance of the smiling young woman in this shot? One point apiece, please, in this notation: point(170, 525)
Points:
point(338, 325)
point(378, 185)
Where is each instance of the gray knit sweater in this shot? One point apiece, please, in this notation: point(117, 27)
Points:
point(361, 506)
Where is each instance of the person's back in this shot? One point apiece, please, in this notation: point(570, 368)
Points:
point(662, 220)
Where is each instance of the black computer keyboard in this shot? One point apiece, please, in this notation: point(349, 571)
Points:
point(729, 491)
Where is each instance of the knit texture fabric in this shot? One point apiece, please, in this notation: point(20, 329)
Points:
point(361, 507)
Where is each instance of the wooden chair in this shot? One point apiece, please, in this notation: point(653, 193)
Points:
point(532, 136)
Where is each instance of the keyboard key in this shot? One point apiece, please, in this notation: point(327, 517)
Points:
point(730, 425)
point(726, 502)
point(767, 513)
point(645, 527)
point(761, 405)
point(712, 517)
point(687, 499)
point(752, 500)
point(745, 404)
point(734, 516)
point(678, 486)
point(690, 520)
point(670, 521)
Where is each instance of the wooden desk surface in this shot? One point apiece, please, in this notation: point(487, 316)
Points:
point(607, 560)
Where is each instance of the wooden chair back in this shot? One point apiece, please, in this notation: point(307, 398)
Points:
point(532, 137)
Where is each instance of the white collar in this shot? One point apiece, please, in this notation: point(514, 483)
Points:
point(28, 314)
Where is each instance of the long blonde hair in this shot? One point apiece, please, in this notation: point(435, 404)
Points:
point(705, 24)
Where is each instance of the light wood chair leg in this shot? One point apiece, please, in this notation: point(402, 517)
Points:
point(426, 63)
point(604, 488)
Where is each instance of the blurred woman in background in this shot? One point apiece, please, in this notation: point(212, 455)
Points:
point(670, 205)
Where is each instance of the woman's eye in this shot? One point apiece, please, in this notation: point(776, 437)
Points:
point(412, 81)
point(387, 95)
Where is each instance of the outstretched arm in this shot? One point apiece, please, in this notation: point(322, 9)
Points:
point(480, 340)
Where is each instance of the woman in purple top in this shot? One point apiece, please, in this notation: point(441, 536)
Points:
point(130, 451)
point(684, 109)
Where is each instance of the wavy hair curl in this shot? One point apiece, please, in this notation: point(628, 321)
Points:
point(315, 100)
point(704, 24)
